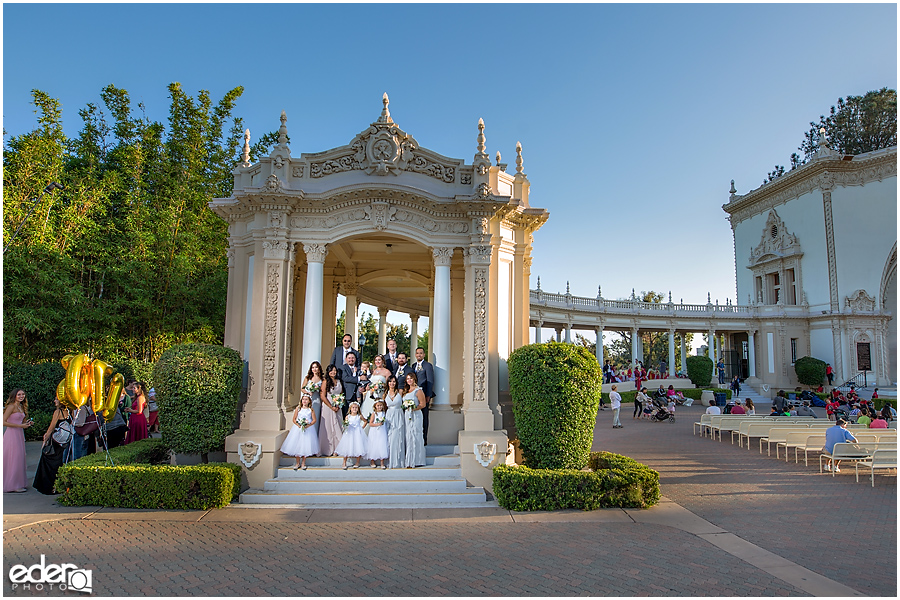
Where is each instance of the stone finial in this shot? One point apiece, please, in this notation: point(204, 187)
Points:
point(245, 155)
point(539, 282)
point(599, 292)
point(498, 158)
point(385, 113)
point(567, 288)
point(519, 158)
point(632, 294)
point(708, 298)
point(282, 131)
point(480, 138)
point(823, 139)
point(670, 296)
point(732, 191)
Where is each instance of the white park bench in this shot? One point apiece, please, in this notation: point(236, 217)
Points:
point(854, 451)
point(881, 459)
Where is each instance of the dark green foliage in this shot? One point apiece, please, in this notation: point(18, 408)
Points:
point(39, 382)
point(151, 451)
point(615, 481)
point(810, 371)
point(555, 390)
point(139, 370)
point(699, 370)
point(197, 391)
point(128, 259)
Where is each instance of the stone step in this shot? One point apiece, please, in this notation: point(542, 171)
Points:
point(444, 460)
point(470, 497)
point(367, 473)
point(361, 486)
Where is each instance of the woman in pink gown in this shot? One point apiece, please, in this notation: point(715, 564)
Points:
point(137, 424)
point(16, 421)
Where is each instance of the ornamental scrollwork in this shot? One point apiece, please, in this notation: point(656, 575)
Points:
point(480, 327)
point(443, 256)
point(277, 250)
point(315, 252)
point(273, 184)
point(273, 286)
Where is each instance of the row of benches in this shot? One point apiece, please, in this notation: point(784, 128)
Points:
point(875, 448)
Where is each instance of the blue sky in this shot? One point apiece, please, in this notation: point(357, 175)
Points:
point(633, 118)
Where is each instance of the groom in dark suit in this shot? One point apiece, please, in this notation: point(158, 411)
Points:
point(338, 357)
point(402, 369)
point(425, 374)
point(350, 380)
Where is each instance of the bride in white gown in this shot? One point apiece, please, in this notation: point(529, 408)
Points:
point(377, 387)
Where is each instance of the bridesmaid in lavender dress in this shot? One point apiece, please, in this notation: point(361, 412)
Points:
point(16, 421)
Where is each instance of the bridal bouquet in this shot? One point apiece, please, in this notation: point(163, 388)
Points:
point(313, 388)
point(408, 405)
point(378, 389)
point(337, 400)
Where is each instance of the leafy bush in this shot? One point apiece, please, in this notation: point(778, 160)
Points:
point(41, 423)
point(39, 382)
point(699, 370)
point(138, 370)
point(197, 391)
point(145, 486)
point(151, 451)
point(555, 390)
point(616, 481)
point(810, 371)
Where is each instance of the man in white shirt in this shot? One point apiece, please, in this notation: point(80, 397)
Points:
point(713, 410)
point(615, 402)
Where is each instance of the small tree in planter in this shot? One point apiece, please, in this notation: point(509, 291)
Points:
point(810, 371)
point(555, 390)
point(699, 370)
point(197, 391)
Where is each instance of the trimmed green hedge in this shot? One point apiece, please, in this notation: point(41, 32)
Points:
point(143, 479)
point(555, 389)
point(700, 370)
point(615, 481)
point(810, 371)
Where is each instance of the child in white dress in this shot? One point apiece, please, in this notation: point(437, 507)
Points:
point(378, 437)
point(353, 443)
point(302, 441)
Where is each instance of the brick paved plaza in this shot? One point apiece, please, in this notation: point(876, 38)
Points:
point(734, 523)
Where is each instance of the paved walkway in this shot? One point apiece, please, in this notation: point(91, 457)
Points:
point(732, 523)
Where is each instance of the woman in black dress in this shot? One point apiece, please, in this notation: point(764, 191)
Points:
point(52, 455)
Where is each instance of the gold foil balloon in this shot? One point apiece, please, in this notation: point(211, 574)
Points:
point(61, 395)
point(101, 370)
point(112, 398)
point(79, 382)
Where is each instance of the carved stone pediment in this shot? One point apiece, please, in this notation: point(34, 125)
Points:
point(776, 242)
point(860, 301)
point(249, 453)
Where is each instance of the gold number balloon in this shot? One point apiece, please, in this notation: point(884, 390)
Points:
point(112, 398)
point(101, 370)
point(61, 395)
point(78, 380)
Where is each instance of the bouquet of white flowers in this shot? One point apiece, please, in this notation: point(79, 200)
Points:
point(337, 400)
point(313, 388)
point(346, 422)
point(409, 404)
point(303, 423)
point(378, 389)
point(379, 420)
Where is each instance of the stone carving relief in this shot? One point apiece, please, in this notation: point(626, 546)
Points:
point(860, 301)
point(480, 322)
point(483, 191)
point(776, 242)
point(277, 250)
point(278, 162)
point(380, 213)
point(441, 172)
point(273, 184)
point(329, 221)
point(423, 222)
point(442, 255)
point(273, 287)
point(230, 255)
point(276, 219)
point(297, 172)
point(485, 453)
point(465, 176)
point(315, 252)
point(249, 453)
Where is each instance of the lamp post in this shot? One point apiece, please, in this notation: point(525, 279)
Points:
point(362, 342)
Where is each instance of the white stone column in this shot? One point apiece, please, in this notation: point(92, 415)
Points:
point(558, 334)
point(349, 290)
point(671, 350)
point(634, 345)
point(598, 351)
point(312, 308)
point(568, 333)
point(413, 336)
point(751, 353)
point(382, 322)
point(683, 353)
point(537, 332)
point(440, 327)
point(711, 349)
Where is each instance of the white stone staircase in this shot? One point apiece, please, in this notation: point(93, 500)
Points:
point(326, 485)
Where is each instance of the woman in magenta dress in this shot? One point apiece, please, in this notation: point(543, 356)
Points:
point(16, 421)
point(137, 424)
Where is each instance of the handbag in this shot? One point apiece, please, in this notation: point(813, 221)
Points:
point(151, 404)
point(48, 449)
point(88, 428)
point(62, 435)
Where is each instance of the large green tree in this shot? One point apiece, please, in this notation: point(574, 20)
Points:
point(128, 259)
point(858, 124)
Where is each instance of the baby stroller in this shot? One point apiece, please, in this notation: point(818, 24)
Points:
point(660, 410)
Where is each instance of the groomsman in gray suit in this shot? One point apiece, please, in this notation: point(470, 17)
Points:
point(390, 357)
point(339, 356)
point(425, 374)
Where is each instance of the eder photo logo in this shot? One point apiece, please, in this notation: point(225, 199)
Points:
point(61, 577)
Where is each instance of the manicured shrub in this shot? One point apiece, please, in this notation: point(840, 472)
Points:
point(39, 382)
point(555, 391)
point(699, 370)
point(145, 486)
point(151, 451)
point(615, 481)
point(197, 391)
point(810, 371)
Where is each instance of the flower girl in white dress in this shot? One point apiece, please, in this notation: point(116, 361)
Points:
point(378, 436)
point(302, 440)
point(354, 442)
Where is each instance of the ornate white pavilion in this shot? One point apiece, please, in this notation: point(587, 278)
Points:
point(386, 222)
